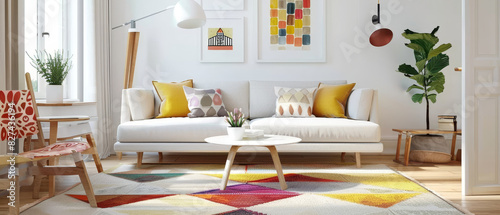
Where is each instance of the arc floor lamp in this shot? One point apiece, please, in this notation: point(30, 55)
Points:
point(187, 13)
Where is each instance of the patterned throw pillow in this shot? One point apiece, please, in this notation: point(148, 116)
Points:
point(294, 102)
point(204, 103)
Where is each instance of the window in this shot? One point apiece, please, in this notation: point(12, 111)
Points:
point(52, 25)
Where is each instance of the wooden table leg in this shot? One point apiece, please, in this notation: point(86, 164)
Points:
point(398, 149)
point(453, 142)
point(407, 148)
point(277, 165)
point(229, 164)
point(52, 161)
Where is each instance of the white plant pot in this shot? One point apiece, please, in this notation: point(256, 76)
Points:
point(235, 133)
point(54, 94)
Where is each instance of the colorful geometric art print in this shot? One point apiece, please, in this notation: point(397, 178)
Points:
point(290, 24)
point(220, 39)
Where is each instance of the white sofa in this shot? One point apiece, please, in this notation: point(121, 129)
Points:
point(139, 133)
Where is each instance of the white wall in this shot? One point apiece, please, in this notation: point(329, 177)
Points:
point(172, 54)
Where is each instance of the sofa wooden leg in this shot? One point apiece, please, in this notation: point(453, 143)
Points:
point(160, 157)
point(139, 158)
point(358, 160)
point(119, 154)
point(342, 157)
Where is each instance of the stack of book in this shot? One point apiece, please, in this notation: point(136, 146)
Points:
point(447, 122)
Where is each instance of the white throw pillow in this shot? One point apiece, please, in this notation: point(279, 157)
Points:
point(294, 102)
point(359, 104)
point(141, 103)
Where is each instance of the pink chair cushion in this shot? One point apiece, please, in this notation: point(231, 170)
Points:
point(58, 149)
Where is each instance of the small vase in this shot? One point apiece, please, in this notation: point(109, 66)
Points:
point(235, 133)
point(54, 94)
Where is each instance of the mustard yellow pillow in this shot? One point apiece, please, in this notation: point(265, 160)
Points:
point(173, 100)
point(330, 100)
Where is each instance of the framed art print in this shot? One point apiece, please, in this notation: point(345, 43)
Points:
point(219, 5)
point(291, 31)
point(223, 40)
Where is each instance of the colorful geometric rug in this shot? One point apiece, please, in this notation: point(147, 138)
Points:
point(252, 189)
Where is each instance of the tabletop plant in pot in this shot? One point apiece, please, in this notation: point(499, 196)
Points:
point(54, 68)
point(235, 119)
point(429, 78)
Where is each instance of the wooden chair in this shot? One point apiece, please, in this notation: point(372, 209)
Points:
point(53, 138)
point(23, 124)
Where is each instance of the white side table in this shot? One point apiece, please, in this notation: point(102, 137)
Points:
point(268, 141)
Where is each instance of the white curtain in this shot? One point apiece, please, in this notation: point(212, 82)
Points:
point(10, 28)
point(10, 31)
point(100, 58)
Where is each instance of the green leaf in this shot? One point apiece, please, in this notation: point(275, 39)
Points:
point(419, 78)
point(422, 36)
point(434, 31)
point(408, 31)
point(442, 48)
point(416, 47)
point(436, 82)
point(437, 63)
point(417, 98)
point(426, 45)
point(421, 65)
point(414, 87)
point(407, 69)
point(432, 97)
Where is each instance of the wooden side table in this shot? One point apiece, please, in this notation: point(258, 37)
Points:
point(410, 132)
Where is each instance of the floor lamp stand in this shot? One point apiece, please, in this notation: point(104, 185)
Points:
point(128, 80)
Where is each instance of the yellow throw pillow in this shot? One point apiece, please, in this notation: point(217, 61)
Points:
point(330, 100)
point(173, 100)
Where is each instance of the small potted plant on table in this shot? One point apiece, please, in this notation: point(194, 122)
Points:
point(54, 68)
point(235, 119)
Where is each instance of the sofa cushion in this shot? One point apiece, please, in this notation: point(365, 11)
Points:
point(330, 100)
point(263, 100)
point(205, 102)
point(360, 104)
point(140, 102)
point(320, 129)
point(234, 93)
point(173, 100)
point(181, 129)
point(294, 102)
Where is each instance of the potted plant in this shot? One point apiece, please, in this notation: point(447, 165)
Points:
point(235, 119)
point(429, 80)
point(54, 68)
point(429, 62)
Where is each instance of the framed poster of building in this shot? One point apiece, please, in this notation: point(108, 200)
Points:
point(223, 40)
point(291, 31)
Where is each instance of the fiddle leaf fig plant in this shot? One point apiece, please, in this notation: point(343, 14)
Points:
point(429, 63)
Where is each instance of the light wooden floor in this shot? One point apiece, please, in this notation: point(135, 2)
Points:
point(444, 179)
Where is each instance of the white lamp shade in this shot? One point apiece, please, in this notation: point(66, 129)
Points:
point(189, 14)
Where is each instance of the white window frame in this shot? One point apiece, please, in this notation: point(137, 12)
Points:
point(72, 35)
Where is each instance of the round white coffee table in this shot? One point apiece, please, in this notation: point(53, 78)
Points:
point(268, 141)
